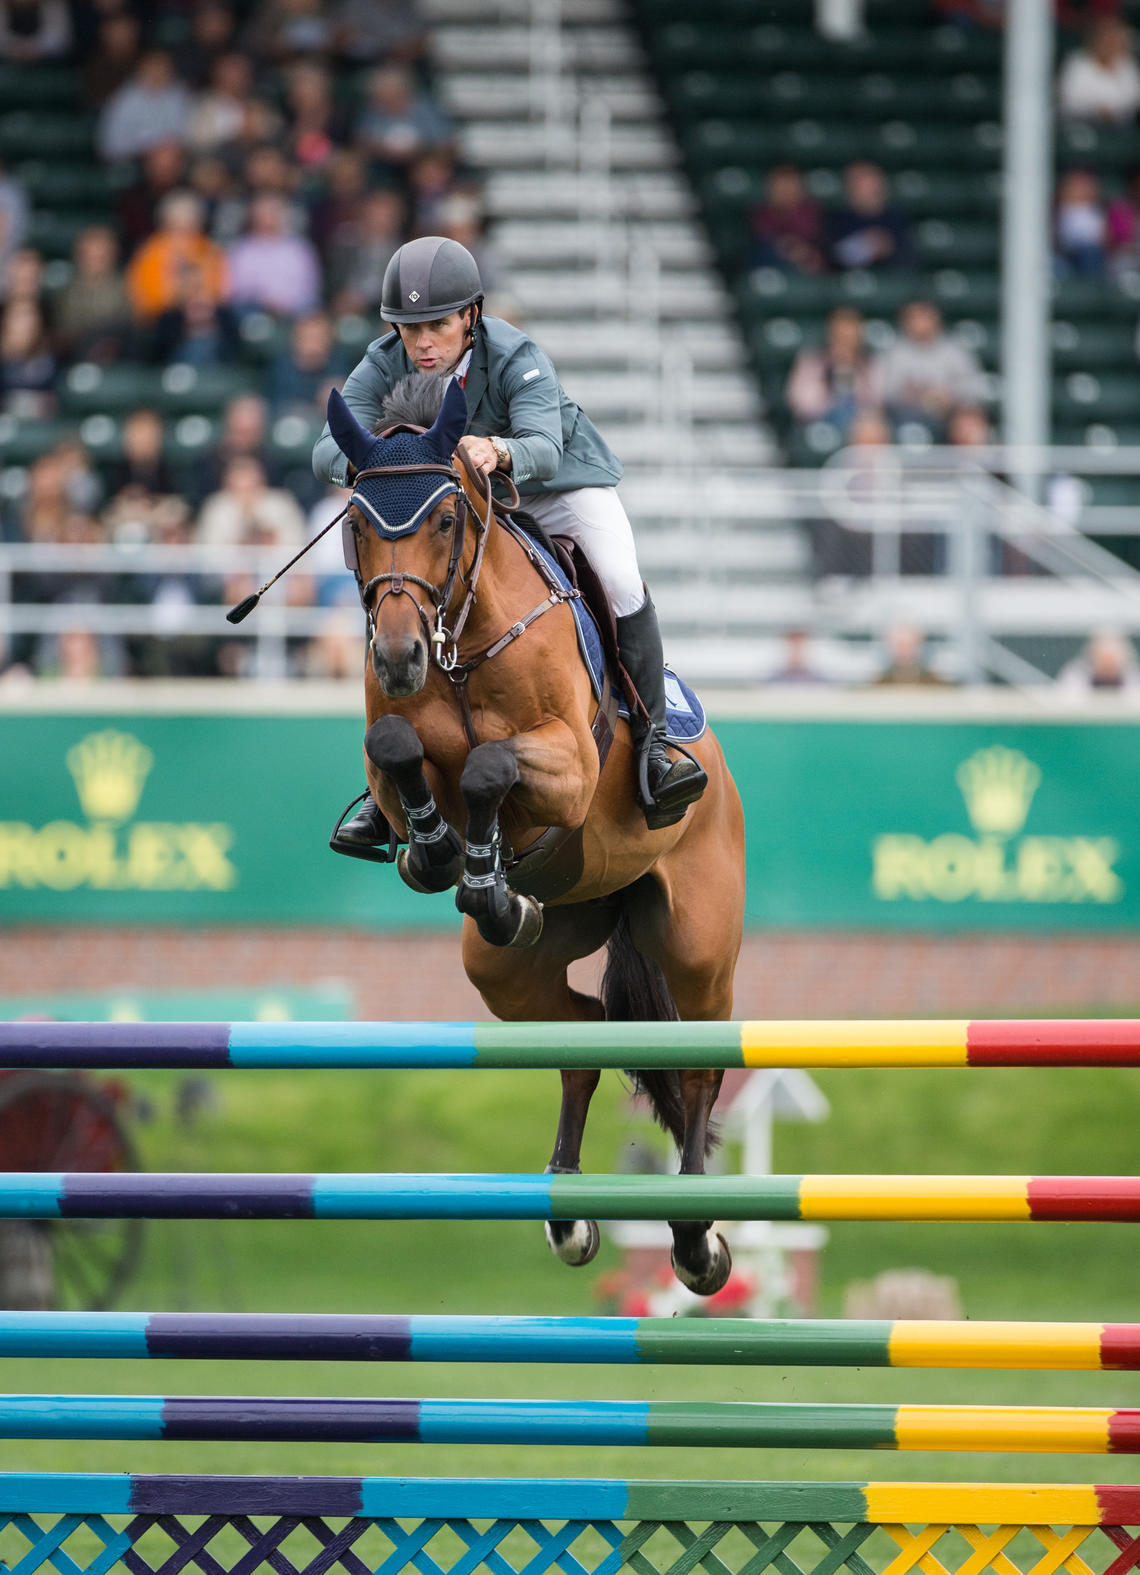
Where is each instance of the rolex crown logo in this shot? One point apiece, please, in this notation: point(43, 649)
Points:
point(998, 785)
point(110, 769)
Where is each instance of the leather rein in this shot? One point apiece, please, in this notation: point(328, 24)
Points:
point(444, 639)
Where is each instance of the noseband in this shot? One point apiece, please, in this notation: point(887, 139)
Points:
point(444, 641)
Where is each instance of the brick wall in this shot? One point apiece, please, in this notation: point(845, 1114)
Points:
point(785, 975)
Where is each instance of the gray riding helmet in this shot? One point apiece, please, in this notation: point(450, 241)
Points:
point(428, 278)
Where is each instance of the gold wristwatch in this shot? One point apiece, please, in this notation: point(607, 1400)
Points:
point(503, 453)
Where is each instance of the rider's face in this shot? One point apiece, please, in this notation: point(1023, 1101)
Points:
point(436, 346)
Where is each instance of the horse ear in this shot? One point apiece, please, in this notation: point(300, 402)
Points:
point(351, 438)
point(451, 422)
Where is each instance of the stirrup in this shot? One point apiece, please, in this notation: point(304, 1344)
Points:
point(669, 806)
point(358, 850)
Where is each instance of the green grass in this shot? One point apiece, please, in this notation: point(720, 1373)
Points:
point(1020, 1122)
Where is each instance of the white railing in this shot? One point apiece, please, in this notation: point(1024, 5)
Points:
point(723, 547)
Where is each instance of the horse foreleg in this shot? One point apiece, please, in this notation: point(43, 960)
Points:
point(502, 916)
point(701, 1259)
point(433, 860)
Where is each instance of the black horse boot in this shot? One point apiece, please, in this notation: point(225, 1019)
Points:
point(665, 786)
point(367, 835)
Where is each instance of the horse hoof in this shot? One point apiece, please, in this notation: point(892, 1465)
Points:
point(715, 1278)
point(429, 881)
point(529, 927)
point(578, 1246)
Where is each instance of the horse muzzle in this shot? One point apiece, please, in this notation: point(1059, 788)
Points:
point(400, 666)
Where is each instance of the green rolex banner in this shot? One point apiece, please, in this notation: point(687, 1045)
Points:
point(885, 824)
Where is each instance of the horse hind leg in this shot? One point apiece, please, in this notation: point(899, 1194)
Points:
point(433, 861)
point(701, 1258)
point(503, 917)
point(573, 1241)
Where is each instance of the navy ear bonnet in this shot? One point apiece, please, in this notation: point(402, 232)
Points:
point(398, 505)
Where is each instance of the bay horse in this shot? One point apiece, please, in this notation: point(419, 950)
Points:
point(484, 737)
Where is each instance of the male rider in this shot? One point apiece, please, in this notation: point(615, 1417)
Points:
point(527, 428)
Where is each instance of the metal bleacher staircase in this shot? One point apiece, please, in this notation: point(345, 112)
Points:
point(611, 272)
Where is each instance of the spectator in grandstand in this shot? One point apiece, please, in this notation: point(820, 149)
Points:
point(1108, 661)
point(361, 249)
point(461, 219)
point(245, 432)
point(111, 58)
point(925, 373)
point(1101, 80)
point(78, 656)
point(24, 277)
point(284, 30)
point(82, 484)
point(335, 212)
point(142, 474)
point(431, 181)
point(867, 232)
point(13, 215)
point(249, 512)
point(162, 267)
point(27, 365)
point(152, 106)
point(397, 122)
point(272, 269)
point(837, 380)
point(197, 329)
point(787, 227)
point(34, 30)
point(315, 123)
point(842, 551)
point(213, 29)
point(163, 171)
point(267, 172)
point(795, 665)
point(1080, 226)
point(1123, 226)
point(300, 377)
point(906, 664)
point(335, 651)
point(220, 113)
point(989, 15)
point(93, 311)
point(370, 30)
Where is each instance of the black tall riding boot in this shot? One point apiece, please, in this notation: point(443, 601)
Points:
point(665, 786)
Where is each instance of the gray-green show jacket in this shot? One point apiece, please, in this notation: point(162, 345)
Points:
point(512, 392)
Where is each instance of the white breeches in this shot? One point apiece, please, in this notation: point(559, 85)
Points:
point(595, 519)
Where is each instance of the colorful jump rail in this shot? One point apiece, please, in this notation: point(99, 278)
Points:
point(437, 1196)
point(713, 1424)
point(539, 1046)
point(93, 1525)
point(736, 1342)
point(309, 1525)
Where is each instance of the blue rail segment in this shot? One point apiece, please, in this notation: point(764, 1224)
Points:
point(327, 1337)
point(112, 1493)
point(438, 1044)
point(323, 1419)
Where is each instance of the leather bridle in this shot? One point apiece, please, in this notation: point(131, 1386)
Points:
point(443, 641)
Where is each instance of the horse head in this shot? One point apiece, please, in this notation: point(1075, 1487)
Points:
point(403, 533)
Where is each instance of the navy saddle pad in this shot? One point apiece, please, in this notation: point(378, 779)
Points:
point(685, 717)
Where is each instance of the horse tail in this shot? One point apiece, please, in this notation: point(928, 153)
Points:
point(634, 990)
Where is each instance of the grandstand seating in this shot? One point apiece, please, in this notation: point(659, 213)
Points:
point(748, 86)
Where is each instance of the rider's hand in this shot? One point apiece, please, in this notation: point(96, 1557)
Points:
point(479, 452)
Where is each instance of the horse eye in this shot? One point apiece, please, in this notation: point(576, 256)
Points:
point(446, 523)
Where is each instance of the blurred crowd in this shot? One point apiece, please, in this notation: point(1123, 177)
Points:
point(269, 159)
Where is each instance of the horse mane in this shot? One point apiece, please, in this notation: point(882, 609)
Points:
point(414, 402)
